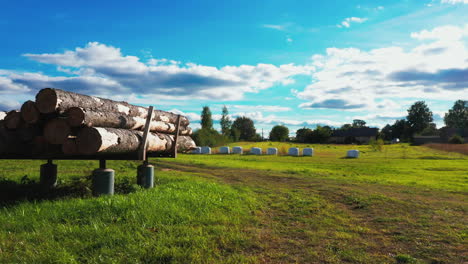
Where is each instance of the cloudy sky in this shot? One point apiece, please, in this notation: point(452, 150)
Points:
point(298, 63)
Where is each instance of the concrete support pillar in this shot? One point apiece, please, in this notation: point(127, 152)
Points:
point(48, 175)
point(145, 175)
point(103, 180)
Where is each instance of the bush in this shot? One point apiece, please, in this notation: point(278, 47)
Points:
point(456, 139)
point(210, 138)
point(377, 145)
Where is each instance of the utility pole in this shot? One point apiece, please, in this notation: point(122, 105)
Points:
point(262, 134)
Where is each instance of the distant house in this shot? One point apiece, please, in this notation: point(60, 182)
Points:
point(445, 134)
point(354, 135)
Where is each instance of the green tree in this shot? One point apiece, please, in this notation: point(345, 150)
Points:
point(457, 117)
point(320, 135)
point(419, 117)
point(225, 122)
point(279, 133)
point(358, 123)
point(346, 126)
point(401, 130)
point(303, 134)
point(386, 132)
point(206, 120)
point(246, 128)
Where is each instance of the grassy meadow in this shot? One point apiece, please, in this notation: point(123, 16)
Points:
point(405, 204)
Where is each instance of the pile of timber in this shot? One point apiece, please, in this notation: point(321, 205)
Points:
point(66, 123)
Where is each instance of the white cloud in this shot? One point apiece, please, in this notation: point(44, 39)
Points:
point(348, 21)
point(266, 108)
point(8, 104)
point(276, 27)
point(99, 69)
point(355, 80)
point(8, 86)
point(453, 2)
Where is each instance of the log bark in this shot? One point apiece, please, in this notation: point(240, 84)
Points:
point(50, 100)
point(2, 115)
point(29, 112)
point(56, 131)
point(13, 120)
point(77, 116)
point(94, 140)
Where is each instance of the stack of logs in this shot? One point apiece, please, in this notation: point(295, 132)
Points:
point(66, 123)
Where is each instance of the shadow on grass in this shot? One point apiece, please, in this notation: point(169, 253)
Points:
point(13, 192)
point(27, 190)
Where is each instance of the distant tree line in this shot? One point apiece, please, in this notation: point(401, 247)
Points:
point(241, 129)
point(419, 121)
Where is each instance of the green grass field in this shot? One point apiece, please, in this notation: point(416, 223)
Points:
point(405, 204)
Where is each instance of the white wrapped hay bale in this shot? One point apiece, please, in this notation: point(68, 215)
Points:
point(354, 153)
point(224, 150)
point(205, 150)
point(256, 151)
point(237, 150)
point(197, 150)
point(308, 152)
point(272, 151)
point(293, 152)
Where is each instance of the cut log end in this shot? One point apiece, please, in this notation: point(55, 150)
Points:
point(56, 131)
point(88, 141)
point(46, 100)
point(76, 116)
point(13, 120)
point(30, 113)
point(70, 147)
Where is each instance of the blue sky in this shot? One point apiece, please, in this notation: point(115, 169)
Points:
point(298, 63)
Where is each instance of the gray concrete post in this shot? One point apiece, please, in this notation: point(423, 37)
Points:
point(145, 175)
point(103, 180)
point(48, 175)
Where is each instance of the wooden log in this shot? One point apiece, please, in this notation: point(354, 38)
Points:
point(57, 130)
point(69, 147)
point(94, 140)
point(27, 133)
point(29, 112)
point(13, 120)
point(2, 115)
point(77, 116)
point(50, 100)
point(10, 143)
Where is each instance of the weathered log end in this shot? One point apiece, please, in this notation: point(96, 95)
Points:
point(88, 141)
point(30, 113)
point(56, 131)
point(70, 147)
point(13, 120)
point(76, 116)
point(46, 100)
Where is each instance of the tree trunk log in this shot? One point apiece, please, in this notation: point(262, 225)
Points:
point(13, 120)
point(50, 100)
point(30, 113)
point(2, 115)
point(93, 140)
point(70, 147)
point(77, 116)
point(56, 131)
point(10, 143)
point(27, 133)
